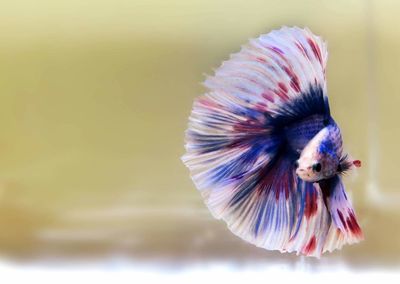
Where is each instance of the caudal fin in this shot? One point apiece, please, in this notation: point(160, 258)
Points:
point(344, 228)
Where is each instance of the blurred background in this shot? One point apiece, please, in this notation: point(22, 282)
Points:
point(95, 98)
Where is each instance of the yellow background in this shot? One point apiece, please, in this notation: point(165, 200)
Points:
point(95, 97)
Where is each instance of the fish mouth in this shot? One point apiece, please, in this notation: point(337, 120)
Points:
point(301, 172)
point(304, 175)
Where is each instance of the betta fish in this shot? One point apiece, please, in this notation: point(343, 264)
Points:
point(264, 151)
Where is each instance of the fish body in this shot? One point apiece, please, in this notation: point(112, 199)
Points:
point(265, 152)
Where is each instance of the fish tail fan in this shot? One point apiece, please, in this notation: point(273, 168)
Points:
point(345, 228)
point(257, 207)
point(227, 141)
point(272, 208)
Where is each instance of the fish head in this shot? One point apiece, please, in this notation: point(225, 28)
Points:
point(320, 158)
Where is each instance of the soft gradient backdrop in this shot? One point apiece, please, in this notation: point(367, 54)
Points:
point(95, 97)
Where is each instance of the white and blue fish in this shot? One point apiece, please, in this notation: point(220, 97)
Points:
point(265, 152)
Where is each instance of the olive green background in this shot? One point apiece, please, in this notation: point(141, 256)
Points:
point(94, 101)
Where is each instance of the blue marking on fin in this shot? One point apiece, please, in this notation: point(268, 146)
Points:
point(237, 167)
point(301, 193)
point(307, 104)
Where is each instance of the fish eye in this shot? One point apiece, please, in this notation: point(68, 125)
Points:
point(317, 167)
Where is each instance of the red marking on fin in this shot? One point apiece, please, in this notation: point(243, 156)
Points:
point(260, 59)
point(342, 218)
point(301, 48)
point(357, 163)
point(282, 94)
point(269, 96)
point(283, 87)
point(294, 80)
point(288, 71)
point(261, 107)
point(253, 125)
point(294, 83)
point(311, 245)
point(276, 49)
point(311, 204)
point(315, 49)
point(207, 103)
point(285, 185)
point(276, 179)
point(353, 225)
